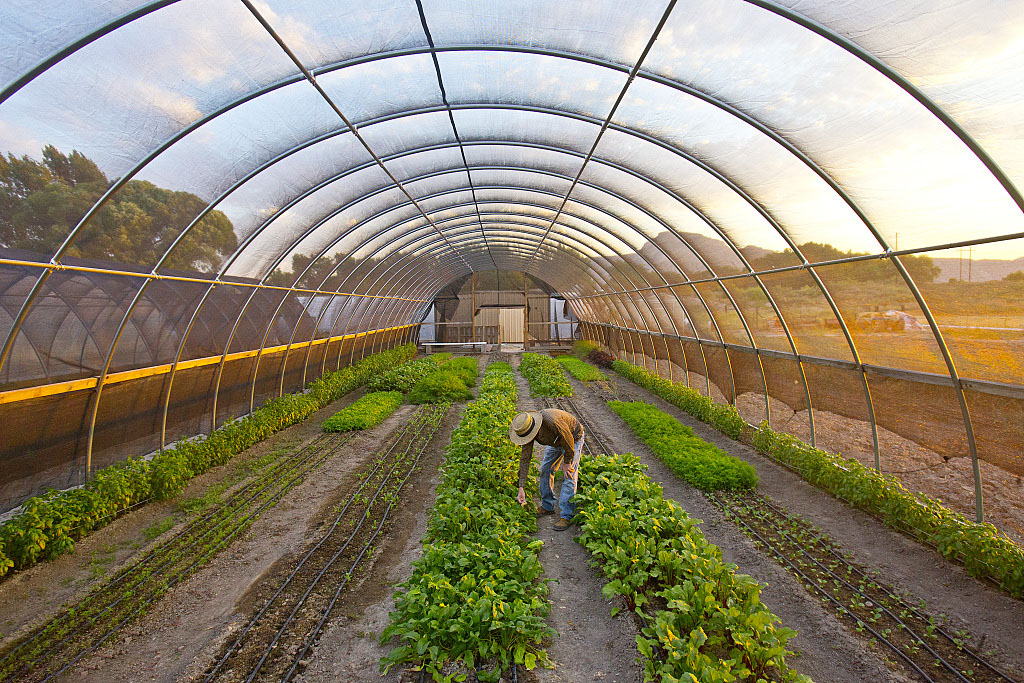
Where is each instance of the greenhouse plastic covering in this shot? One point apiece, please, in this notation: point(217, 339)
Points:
point(809, 209)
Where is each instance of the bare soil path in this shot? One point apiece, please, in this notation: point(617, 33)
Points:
point(590, 645)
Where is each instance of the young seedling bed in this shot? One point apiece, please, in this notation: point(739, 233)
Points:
point(275, 642)
point(872, 609)
point(545, 375)
point(584, 372)
point(79, 630)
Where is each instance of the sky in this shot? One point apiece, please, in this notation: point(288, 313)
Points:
point(120, 97)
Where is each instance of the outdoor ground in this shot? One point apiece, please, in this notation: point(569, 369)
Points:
point(184, 631)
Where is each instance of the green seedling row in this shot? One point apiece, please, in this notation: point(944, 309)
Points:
point(584, 372)
point(582, 348)
point(702, 464)
point(448, 383)
point(126, 596)
point(403, 377)
point(703, 621)
point(545, 375)
point(367, 412)
point(476, 596)
point(49, 525)
point(984, 551)
point(724, 418)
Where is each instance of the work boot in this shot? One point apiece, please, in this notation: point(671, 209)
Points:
point(562, 524)
point(541, 511)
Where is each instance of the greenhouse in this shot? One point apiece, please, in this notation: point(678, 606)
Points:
point(291, 291)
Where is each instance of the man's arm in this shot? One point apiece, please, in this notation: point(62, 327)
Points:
point(524, 463)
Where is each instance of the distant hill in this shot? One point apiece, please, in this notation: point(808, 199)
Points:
point(981, 270)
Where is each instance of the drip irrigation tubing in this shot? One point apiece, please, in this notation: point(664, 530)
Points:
point(330, 563)
point(281, 469)
point(369, 543)
point(842, 608)
point(255, 620)
point(154, 595)
point(818, 539)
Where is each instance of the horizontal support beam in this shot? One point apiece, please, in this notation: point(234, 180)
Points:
point(980, 385)
point(16, 395)
point(180, 278)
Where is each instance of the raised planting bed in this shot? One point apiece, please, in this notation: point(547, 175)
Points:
point(449, 383)
point(475, 601)
point(48, 525)
point(403, 377)
point(700, 463)
point(724, 418)
point(584, 372)
point(701, 621)
point(545, 375)
point(369, 411)
point(982, 549)
point(582, 348)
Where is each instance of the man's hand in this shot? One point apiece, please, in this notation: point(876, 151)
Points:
point(522, 496)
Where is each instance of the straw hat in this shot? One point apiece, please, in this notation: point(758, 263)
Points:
point(524, 427)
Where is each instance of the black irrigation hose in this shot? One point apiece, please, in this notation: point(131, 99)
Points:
point(174, 581)
point(895, 524)
point(369, 542)
point(129, 571)
point(587, 426)
point(842, 608)
point(348, 504)
point(910, 608)
point(330, 563)
point(868, 598)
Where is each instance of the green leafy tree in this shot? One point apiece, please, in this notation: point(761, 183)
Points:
point(41, 202)
point(1015, 276)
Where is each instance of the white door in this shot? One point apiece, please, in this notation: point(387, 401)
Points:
point(510, 325)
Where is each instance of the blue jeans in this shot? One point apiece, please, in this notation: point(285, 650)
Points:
point(553, 461)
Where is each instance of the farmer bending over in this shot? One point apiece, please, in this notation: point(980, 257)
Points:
point(561, 433)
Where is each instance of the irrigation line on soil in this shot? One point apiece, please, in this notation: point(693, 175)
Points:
point(369, 543)
point(283, 468)
point(252, 622)
point(843, 610)
point(160, 590)
point(255, 620)
point(330, 563)
point(841, 606)
point(146, 560)
point(818, 540)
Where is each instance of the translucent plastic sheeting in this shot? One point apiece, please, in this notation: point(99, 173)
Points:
point(896, 158)
point(965, 57)
point(117, 110)
point(978, 306)
point(30, 32)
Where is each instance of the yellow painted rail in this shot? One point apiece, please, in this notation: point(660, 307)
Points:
point(42, 390)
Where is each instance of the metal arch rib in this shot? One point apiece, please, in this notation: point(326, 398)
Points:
point(444, 98)
point(913, 287)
